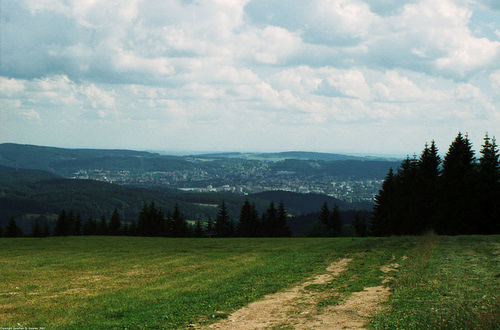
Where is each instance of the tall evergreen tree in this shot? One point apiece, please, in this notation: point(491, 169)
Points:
point(405, 206)
point(102, 226)
point(46, 230)
point(133, 229)
point(179, 224)
point(210, 230)
point(383, 215)
point(429, 171)
point(71, 223)
point(223, 222)
point(488, 194)
point(269, 221)
point(324, 215)
point(336, 222)
point(90, 227)
point(282, 228)
point(458, 212)
point(37, 230)
point(142, 223)
point(360, 226)
point(12, 229)
point(62, 225)
point(198, 229)
point(77, 225)
point(115, 223)
point(248, 225)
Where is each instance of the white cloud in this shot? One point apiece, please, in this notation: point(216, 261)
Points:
point(10, 86)
point(296, 68)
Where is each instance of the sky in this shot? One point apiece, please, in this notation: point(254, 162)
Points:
point(378, 77)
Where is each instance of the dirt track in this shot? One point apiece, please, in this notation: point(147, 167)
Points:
point(296, 307)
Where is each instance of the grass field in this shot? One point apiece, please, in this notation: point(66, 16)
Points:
point(84, 282)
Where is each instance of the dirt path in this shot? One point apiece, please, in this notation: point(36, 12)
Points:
point(296, 307)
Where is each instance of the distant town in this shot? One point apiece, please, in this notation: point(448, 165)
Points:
point(241, 180)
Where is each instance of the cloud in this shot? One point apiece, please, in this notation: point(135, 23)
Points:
point(272, 70)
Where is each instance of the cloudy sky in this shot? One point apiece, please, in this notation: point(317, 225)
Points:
point(350, 76)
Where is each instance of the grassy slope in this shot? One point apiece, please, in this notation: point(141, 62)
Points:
point(447, 282)
point(156, 282)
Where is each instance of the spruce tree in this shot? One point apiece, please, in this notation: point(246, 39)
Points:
point(426, 194)
point(324, 218)
point(37, 230)
point(248, 225)
point(46, 230)
point(198, 229)
point(90, 227)
point(143, 221)
point(223, 222)
point(458, 213)
point(115, 223)
point(77, 225)
point(210, 227)
point(133, 229)
point(360, 226)
point(70, 223)
point(383, 214)
point(12, 229)
point(62, 225)
point(282, 228)
point(102, 226)
point(405, 208)
point(488, 195)
point(336, 222)
point(179, 224)
point(269, 221)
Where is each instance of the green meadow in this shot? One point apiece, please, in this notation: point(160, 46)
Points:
point(134, 282)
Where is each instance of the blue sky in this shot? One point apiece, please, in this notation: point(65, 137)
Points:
point(370, 77)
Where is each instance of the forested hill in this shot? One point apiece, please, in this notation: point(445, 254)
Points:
point(66, 161)
point(206, 169)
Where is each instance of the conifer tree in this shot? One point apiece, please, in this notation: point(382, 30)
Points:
point(102, 227)
point(360, 226)
point(133, 229)
point(426, 197)
point(223, 222)
point(37, 230)
point(282, 228)
point(269, 221)
point(70, 222)
point(12, 230)
point(489, 188)
point(115, 223)
point(179, 224)
point(198, 229)
point(90, 227)
point(324, 215)
point(383, 215)
point(62, 225)
point(77, 225)
point(46, 230)
point(143, 221)
point(248, 225)
point(457, 211)
point(336, 222)
point(210, 227)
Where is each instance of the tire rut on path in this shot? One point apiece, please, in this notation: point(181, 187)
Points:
point(297, 307)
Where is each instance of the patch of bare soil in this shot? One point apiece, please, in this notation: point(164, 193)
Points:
point(296, 307)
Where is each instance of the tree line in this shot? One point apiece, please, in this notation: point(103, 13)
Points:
point(457, 195)
point(153, 221)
